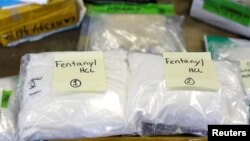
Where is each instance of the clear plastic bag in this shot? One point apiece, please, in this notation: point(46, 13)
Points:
point(154, 110)
point(230, 49)
point(135, 32)
point(70, 115)
point(233, 54)
point(8, 83)
point(8, 114)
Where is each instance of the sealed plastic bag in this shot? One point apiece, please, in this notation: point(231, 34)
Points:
point(49, 114)
point(217, 45)
point(227, 14)
point(8, 109)
point(8, 83)
point(135, 32)
point(231, 49)
point(153, 109)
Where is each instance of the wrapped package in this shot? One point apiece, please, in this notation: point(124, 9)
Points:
point(30, 22)
point(134, 32)
point(9, 108)
point(231, 15)
point(234, 50)
point(49, 114)
point(153, 109)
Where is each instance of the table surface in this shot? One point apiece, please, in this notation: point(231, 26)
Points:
point(194, 30)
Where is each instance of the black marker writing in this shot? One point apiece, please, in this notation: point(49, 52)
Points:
point(35, 93)
point(195, 70)
point(86, 70)
point(189, 81)
point(185, 61)
point(33, 82)
point(75, 83)
point(33, 85)
point(245, 73)
point(84, 66)
point(75, 64)
point(28, 30)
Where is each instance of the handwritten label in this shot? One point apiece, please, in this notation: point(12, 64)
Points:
point(37, 28)
point(33, 83)
point(80, 71)
point(230, 10)
point(192, 71)
point(245, 72)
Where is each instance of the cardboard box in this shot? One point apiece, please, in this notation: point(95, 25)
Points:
point(25, 21)
point(143, 139)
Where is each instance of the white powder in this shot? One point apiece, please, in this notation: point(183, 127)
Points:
point(133, 32)
point(182, 111)
point(235, 55)
point(64, 115)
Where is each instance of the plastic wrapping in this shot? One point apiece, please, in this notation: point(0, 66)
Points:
point(53, 114)
point(198, 11)
point(230, 49)
point(135, 32)
point(235, 55)
point(8, 114)
point(8, 83)
point(217, 44)
point(154, 110)
point(238, 48)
